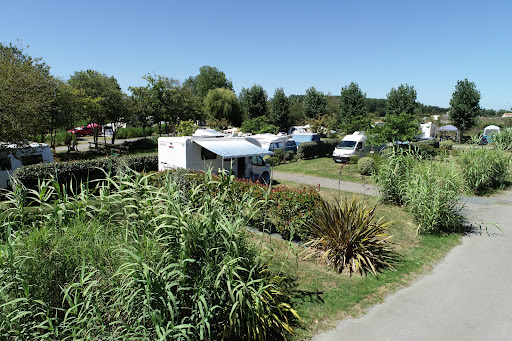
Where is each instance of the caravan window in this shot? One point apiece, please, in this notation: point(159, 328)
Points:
point(207, 155)
point(5, 163)
point(31, 159)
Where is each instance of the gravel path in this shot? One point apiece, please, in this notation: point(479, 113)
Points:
point(468, 296)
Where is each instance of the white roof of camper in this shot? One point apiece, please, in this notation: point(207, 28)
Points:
point(492, 127)
point(270, 137)
point(208, 133)
point(231, 147)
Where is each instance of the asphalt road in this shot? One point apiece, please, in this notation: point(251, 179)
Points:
point(468, 296)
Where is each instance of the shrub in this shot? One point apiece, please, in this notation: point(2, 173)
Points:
point(366, 166)
point(503, 140)
point(448, 145)
point(83, 170)
point(347, 235)
point(307, 150)
point(132, 132)
point(432, 195)
point(327, 146)
point(142, 144)
point(393, 174)
point(137, 262)
point(484, 169)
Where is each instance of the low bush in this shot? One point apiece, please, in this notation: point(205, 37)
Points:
point(347, 235)
point(366, 166)
point(448, 145)
point(83, 170)
point(132, 132)
point(432, 195)
point(311, 150)
point(484, 169)
point(142, 144)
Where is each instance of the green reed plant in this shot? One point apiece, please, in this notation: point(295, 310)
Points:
point(432, 195)
point(484, 170)
point(131, 260)
point(347, 235)
point(393, 173)
point(503, 140)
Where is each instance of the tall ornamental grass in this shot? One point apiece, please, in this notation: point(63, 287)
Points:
point(484, 170)
point(393, 174)
point(432, 195)
point(503, 140)
point(131, 260)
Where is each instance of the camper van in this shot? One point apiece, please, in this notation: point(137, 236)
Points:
point(13, 156)
point(305, 137)
point(351, 145)
point(428, 131)
point(270, 141)
point(241, 156)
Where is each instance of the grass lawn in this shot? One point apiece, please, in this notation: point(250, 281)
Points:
point(327, 296)
point(324, 167)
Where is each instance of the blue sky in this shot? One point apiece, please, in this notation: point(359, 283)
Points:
point(289, 44)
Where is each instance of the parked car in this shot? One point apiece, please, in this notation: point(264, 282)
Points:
point(85, 130)
point(290, 146)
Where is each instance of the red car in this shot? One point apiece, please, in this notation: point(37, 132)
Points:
point(85, 130)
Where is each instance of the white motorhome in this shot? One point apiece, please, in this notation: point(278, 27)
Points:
point(351, 145)
point(270, 141)
point(241, 156)
point(428, 131)
point(13, 156)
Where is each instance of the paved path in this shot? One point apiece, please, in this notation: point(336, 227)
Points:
point(327, 183)
point(83, 143)
point(468, 296)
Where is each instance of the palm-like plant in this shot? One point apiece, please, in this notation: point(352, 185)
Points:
point(347, 235)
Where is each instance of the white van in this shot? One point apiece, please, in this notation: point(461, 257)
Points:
point(13, 156)
point(351, 145)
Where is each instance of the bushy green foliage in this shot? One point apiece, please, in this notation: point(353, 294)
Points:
point(432, 195)
point(393, 173)
point(311, 150)
point(132, 132)
point(503, 140)
point(186, 128)
point(142, 144)
point(484, 169)
point(259, 125)
point(347, 235)
point(143, 259)
point(83, 170)
point(366, 166)
point(448, 145)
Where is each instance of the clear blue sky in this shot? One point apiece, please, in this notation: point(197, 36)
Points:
point(290, 44)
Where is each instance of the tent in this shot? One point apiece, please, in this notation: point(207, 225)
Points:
point(448, 130)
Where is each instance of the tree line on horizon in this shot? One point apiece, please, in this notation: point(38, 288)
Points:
point(35, 103)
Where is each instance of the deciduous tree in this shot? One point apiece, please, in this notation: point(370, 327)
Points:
point(279, 109)
point(254, 101)
point(209, 78)
point(354, 111)
point(465, 105)
point(222, 104)
point(401, 100)
point(315, 103)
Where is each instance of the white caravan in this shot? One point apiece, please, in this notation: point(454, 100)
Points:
point(428, 131)
point(270, 141)
point(241, 156)
point(351, 145)
point(13, 156)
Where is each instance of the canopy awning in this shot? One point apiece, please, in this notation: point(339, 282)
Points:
point(448, 127)
point(229, 148)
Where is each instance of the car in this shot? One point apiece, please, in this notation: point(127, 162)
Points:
point(291, 146)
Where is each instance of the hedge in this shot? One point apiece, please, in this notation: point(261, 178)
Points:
point(310, 150)
point(84, 170)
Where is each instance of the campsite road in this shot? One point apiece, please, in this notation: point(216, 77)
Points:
point(467, 296)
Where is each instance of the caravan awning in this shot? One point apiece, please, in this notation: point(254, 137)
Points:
point(229, 148)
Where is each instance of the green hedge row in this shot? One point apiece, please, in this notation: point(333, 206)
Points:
point(311, 150)
point(84, 170)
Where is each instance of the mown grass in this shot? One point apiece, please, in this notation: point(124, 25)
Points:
point(327, 297)
point(324, 167)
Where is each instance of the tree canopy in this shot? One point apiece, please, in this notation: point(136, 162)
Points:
point(26, 93)
point(401, 100)
point(354, 111)
point(315, 103)
point(222, 105)
point(465, 105)
point(254, 101)
point(279, 109)
point(209, 78)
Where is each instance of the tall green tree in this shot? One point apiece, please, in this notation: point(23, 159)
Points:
point(401, 127)
point(26, 93)
point(354, 111)
point(105, 92)
point(254, 101)
point(209, 78)
point(401, 100)
point(465, 105)
point(314, 104)
point(140, 107)
point(222, 105)
point(279, 109)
